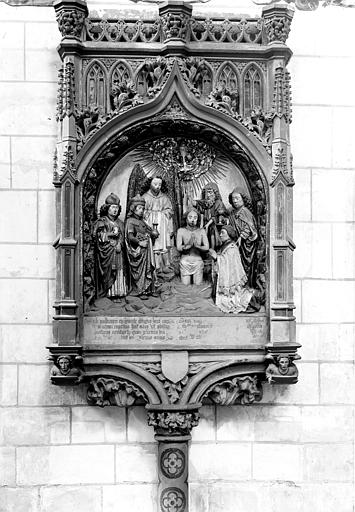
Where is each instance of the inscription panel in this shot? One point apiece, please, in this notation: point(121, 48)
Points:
point(193, 332)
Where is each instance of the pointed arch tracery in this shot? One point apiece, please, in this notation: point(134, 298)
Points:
point(253, 89)
point(96, 86)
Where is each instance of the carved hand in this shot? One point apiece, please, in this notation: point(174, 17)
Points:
point(213, 253)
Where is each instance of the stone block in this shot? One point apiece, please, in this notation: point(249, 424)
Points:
point(328, 462)
point(297, 299)
point(320, 23)
point(34, 425)
point(5, 170)
point(12, 55)
point(65, 498)
point(46, 217)
point(26, 13)
point(302, 195)
point(51, 298)
point(328, 497)
point(306, 391)
point(42, 59)
point(277, 462)
point(278, 424)
point(326, 342)
point(43, 392)
point(232, 497)
point(25, 343)
point(313, 257)
point(7, 466)
point(328, 301)
point(96, 425)
point(19, 500)
point(23, 301)
point(281, 496)
point(198, 498)
point(343, 251)
point(206, 430)
point(236, 422)
point(337, 383)
point(327, 424)
point(333, 195)
point(28, 108)
point(32, 161)
point(136, 463)
point(138, 429)
point(8, 384)
point(308, 73)
point(86, 464)
point(310, 147)
point(22, 206)
point(131, 498)
point(27, 261)
point(343, 143)
point(220, 461)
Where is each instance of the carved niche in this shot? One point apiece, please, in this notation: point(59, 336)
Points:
point(173, 174)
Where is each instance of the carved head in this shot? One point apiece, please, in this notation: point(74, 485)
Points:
point(283, 363)
point(211, 193)
point(137, 206)
point(192, 218)
point(236, 199)
point(64, 364)
point(227, 233)
point(156, 184)
point(112, 207)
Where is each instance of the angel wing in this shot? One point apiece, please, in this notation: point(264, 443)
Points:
point(136, 181)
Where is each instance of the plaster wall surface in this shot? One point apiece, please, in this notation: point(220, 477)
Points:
point(295, 450)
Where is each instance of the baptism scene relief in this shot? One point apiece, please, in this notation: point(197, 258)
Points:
point(176, 231)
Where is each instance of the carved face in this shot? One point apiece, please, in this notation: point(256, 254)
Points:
point(192, 218)
point(237, 200)
point(155, 185)
point(113, 210)
point(139, 210)
point(224, 235)
point(284, 363)
point(210, 194)
point(64, 364)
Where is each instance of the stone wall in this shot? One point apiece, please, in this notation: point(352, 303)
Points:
point(295, 450)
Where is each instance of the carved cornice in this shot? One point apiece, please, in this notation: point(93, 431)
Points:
point(104, 391)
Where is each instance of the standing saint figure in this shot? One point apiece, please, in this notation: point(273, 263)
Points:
point(191, 241)
point(109, 250)
point(158, 214)
point(244, 223)
point(232, 295)
point(139, 249)
point(214, 212)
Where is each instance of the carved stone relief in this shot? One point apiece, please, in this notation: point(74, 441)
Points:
point(174, 194)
